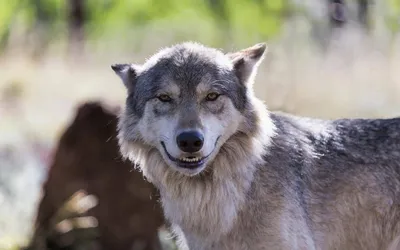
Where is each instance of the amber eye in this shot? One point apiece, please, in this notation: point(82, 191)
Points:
point(164, 98)
point(212, 96)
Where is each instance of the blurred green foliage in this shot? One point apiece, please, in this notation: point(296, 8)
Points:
point(213, 21)
point(204, 18)
point(393, 18)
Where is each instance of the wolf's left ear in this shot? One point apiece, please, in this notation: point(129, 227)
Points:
point(127, 72)
point(246, 61)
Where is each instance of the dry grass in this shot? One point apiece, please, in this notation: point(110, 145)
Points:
point(354, 78)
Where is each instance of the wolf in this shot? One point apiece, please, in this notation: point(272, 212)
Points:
point(234, 175)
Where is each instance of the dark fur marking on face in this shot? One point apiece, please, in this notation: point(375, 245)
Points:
point(216, 107)
point(157, 111)
point(161, 109)
point(144, 92)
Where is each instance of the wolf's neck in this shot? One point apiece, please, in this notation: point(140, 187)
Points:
point(208, 205)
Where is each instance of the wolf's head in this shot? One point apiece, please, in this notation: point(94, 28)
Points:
point(186, 101)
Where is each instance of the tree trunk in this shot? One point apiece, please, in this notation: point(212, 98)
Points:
point(76, 22)
point(337, 13)
point(363, 13)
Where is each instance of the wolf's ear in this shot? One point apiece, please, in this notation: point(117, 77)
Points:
point(246, 61)
point(127, 72)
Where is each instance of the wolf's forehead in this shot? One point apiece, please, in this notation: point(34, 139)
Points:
point(185, 73)
point(187, 85)
point(189, 58)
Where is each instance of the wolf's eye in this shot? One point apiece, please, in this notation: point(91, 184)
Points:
point(164, 98)
point(212, 96)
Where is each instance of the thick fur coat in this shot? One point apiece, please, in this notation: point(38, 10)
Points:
point(263, 180)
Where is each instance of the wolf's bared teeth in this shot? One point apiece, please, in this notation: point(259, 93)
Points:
point(190, 159)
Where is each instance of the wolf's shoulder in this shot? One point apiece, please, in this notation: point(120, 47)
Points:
point(341, 127)
point(298, 126)
point(360, 140)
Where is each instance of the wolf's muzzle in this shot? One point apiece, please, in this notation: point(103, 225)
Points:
point(190, 162)
point(190, 141)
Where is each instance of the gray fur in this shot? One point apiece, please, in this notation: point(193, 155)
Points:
point(273, 180)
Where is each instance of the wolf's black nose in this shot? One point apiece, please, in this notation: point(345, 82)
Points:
point(190, 141)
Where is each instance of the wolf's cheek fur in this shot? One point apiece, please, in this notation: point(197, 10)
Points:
point(153, 128)
point(222, 124)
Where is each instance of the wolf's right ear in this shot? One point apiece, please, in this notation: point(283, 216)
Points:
point(127, 72)
point(246, 61)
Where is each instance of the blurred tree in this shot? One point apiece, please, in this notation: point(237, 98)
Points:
point(41, 28)
point(7, 16)
point(219, 13)
point(393, 17)
point(363, 13)
point(76, 22)
point(337, 13)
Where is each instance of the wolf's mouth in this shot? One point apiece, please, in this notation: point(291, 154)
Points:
point(186, 162)
point(190, 162)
